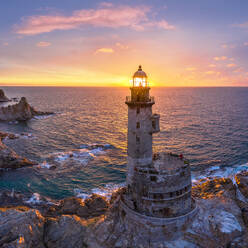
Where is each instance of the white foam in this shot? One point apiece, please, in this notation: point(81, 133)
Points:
point(13, 122)
point(45, 165)
point(105, 191)
point(41, 117)
point(218, 172)
point(35, 199)
point(82, 155)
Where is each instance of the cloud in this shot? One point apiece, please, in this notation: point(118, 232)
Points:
point(245, 43)
point(5, 44)
point(121, 46)
point(212, 72)
point(228, 46)
point(212, 65)
point(220, 58)
point(241, 25)
point(104, 50)
point(190, 69)
point(230, 65)
point(43, 44)
point(106, 15)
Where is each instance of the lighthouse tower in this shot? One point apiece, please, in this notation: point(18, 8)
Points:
point(158, 185)
point(141, 124)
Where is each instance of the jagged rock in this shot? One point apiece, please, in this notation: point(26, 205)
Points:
point(242, 182)
point(8, 158)
point(65, 231)
point(94, 206)
point(21, 111)
point(215, 188)
point(218, 223)
point(3, 98)
point(10, 199)
point(21, 228)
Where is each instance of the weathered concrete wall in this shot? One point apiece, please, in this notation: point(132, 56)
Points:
point(158, 228)
point(139, 138)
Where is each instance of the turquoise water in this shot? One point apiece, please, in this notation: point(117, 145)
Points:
point(208, 125)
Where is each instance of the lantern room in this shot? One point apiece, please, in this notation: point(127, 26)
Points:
point(140, 78)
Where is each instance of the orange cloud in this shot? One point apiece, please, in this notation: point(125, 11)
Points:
point(105, 16)
point(104, 50)
point(190, 69)
point(121, 46)
point(212, 65)
point(220, 58)
point(43, 44)
point(230, 65)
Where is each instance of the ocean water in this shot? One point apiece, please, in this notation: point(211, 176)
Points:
point(86, 138)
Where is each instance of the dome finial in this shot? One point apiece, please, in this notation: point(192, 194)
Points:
point(140, 68)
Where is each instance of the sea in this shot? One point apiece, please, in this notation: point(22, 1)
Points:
point(82, 148)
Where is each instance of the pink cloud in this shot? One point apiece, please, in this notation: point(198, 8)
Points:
point(220, 58)
point(43, 44)
point(104, 50)
point(241, 25)
point(106, 15)
point(230, 65)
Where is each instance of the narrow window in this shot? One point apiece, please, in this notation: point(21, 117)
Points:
point(137, 125)
point(154, 124)
point(138, 110)
point(171, 194)
point(153, 178)
point(137, 139)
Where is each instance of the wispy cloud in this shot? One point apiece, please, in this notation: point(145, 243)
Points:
point(241, 25)
point(121, 46)
point(107, 15)
point(43, 44)
point(220, 58)
point(212, 65)
point(190, 69)
point(104, 50)
point(230, 65)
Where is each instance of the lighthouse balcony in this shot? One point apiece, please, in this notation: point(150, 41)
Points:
point(140, 100)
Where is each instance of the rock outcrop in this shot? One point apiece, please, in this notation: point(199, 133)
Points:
point(96, 223)
point(21, 111)
point(65, 231)
point(21, 227)
point(3, 98)
point(8, 158)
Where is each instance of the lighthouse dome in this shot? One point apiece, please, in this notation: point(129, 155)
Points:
point(139, 73)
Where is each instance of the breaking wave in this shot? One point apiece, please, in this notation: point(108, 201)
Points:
point(219, 172)
point(105, 191)
point(81, 156)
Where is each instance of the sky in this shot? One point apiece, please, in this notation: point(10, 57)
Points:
point(179, 43)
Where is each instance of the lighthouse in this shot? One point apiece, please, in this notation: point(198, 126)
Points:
point(158, 184)
point(156, 204)
point(142, 123)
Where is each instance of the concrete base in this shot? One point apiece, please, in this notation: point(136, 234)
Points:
point(159, 229)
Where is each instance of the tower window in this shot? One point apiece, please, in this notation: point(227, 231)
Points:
point(138, 125)
point(153, 178)
point(154, 124)
point(137, 139)
point(138, 110)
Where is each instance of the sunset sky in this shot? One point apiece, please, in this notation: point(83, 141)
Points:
point(101, 43)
